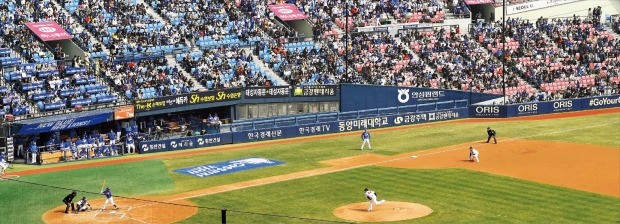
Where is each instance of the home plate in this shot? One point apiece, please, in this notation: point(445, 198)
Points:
point(414, 156)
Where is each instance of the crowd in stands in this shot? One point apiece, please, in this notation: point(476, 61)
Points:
point(375, 56)
point(224, 67)
point(564, 57)
point(13, 17)
point(259, 15)
point(373, 13)
point(569, 57)
point(208, 23)
point(125, 27)
point(148, 78)
point(301, 63)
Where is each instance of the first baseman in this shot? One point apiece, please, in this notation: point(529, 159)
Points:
point(473, 154)
point(108, 198)
point(366, 139)
point(372, 196)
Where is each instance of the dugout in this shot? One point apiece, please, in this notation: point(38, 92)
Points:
point(47, 134)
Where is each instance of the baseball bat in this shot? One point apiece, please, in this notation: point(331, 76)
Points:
point(102, 185)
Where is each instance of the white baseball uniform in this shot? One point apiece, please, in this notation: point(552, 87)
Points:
point(83, 205)
point(473, 155)
point(372, 196)
point(3, 165)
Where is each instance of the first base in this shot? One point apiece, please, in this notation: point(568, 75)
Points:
point(414, 156)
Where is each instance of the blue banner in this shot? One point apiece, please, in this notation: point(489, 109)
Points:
point(488, 111)
point(349, 125)
point(546, 107)
point(51, 124)
point(528, 109)
point(364, 97)
point(227, 167)
point(599, 102)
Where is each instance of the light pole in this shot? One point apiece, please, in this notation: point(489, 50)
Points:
point(346, 40)
point(504, 50)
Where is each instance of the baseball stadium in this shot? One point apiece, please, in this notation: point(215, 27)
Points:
point(310, 111)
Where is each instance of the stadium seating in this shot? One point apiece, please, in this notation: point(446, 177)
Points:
point(546, 59)
point(224, 67)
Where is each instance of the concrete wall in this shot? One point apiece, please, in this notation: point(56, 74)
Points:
point(579, 8)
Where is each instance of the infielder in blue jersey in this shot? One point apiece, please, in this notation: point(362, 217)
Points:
point(366, 139)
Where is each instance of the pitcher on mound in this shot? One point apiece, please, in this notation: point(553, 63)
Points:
point(372, 196)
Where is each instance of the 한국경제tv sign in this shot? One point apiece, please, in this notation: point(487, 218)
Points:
point(48, 31)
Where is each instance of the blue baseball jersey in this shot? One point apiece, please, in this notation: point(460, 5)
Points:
point(107, 193)
point(112, 135)
point(365, 135)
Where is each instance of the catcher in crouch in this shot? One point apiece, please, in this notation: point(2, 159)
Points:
point(83, 205)
point(372, 196)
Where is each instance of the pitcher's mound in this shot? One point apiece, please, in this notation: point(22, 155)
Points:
point(389, 211)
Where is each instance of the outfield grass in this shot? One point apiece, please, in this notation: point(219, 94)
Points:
point(497, 198)
point(456, 196)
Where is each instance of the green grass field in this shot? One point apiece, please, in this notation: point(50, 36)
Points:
point(454, 195)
